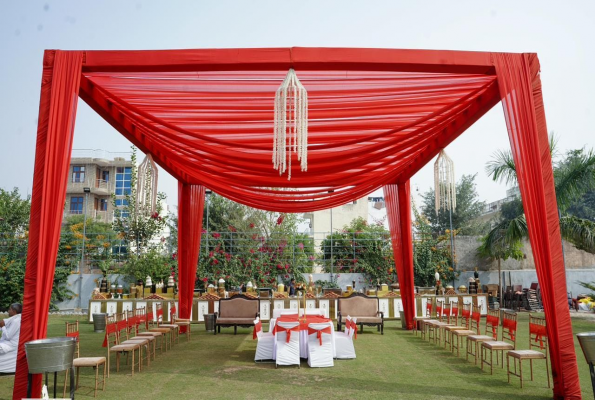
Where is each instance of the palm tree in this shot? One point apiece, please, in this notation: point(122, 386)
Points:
point(573, 177)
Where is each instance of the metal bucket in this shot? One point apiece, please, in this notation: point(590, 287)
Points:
point(99, 322)
point(587, 341)
point(209, 322)
point(50, 355)
point(403, 323)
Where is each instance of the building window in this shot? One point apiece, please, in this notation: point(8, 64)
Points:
point(103, 205)
point(121, 202)
point(105, 176)
point(78, 173)
point(123, 177)
point(120, 214)
point(76, 205)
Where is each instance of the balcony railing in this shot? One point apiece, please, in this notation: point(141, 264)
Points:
point(101, 216)
point(102, 185)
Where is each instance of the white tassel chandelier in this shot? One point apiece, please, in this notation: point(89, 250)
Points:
point(291, 124)
point(146, 193)
point(444, 183)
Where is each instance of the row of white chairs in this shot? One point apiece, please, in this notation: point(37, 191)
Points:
point(320, 343)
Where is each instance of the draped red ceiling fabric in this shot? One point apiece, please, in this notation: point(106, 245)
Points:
point(520, 88)
point(398, 211)
point(57, 111)
point(191, 202)
point(214, 128)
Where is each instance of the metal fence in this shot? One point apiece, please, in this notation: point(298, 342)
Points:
point(328, 252)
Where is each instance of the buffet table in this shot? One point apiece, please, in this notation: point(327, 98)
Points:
point(390, 306)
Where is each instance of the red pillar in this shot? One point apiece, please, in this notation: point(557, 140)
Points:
point(520, 91)
point(191, 202)
point(55, 130)
point(398, 210)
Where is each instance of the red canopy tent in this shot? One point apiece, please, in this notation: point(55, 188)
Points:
point(376, 116)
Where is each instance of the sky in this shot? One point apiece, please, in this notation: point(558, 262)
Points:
point(561, 33)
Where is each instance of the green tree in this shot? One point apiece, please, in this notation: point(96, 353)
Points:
point(500, 250)
point(260, 237)
point(431, 253)
point(584, 207)
point(14, 213)
point(361, 248)
point(136, 223)
point(14, 234)
point(574, 176)
point(99, 240)
point(464, 217)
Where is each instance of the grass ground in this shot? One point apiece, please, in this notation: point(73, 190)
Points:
point(396, 365)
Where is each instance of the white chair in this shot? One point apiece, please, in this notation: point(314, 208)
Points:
point(266, 343)
point(344, 340)
point(287, 336)
point(320, 349)
point(314, 311)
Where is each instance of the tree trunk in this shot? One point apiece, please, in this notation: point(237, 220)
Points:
point(500, 283)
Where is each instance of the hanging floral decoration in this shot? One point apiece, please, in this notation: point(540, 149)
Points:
point(444, 183)
point(146, 194)
point(291, 124)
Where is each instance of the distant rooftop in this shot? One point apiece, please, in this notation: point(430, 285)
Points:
point(102, 154)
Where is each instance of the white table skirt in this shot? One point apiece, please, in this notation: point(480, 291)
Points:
point(303, 340)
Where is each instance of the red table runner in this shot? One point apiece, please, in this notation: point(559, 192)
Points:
point(310, 319)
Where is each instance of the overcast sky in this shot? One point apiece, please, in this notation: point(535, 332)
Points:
point(562, 33)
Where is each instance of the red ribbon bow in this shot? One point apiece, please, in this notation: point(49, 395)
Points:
point(511, 326)
point(257, 328)
point(74, 335)
point(539, 331)
point(493, 320)
point(110, 328)
point(318, 333)
point(353, 326)
point(288, 330)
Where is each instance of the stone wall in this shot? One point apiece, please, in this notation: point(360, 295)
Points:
point(466, 251)
point(580, 266)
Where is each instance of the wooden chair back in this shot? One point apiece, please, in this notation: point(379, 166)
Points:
point(476, 319)
point(173, 312)
point(493, 323)
point(537, 333)
point(466, 315)
point(72, 330)
point(429, 308)
point(122, 326)
point(140, 317)
point(159, 312)
point(439, 309)
point(131, 322)
point(509, 328)
point(454, 312)
point(112, 336)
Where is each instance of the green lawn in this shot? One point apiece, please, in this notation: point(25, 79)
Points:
point(396, 365)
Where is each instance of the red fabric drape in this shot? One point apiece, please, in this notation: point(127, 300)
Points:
point(57, 111)
point(191, 202)
point(398, 211)
point(377, 116)
point(520, 89)
point(365, 128)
